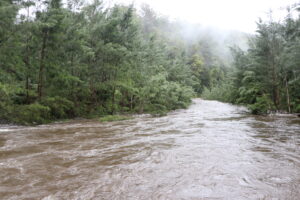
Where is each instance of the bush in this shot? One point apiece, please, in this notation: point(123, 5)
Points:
point(60, 108)
point(30, 114)
point(262, 105)
point(156, 109)
point(297, 108)
point(97, 111)
point(223, 93)
point(4, 93)
point(4, 111)
point(162, 95)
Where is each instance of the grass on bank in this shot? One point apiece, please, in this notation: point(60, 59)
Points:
point(112, 118)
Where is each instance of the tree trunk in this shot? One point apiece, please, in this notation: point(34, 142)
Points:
point(131, 102)
point(276, 98)
point(287, 95)
point(113, 100)
point(27, 61)
point(27, 89)
point(42, 65)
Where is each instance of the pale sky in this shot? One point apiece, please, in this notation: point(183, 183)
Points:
point(226, 14)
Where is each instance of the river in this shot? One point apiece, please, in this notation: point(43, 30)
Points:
point(209, 151)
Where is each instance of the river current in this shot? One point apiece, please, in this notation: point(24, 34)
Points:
point(209, 151)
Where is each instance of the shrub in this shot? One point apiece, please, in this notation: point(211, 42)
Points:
point(162, 95)
point(60, 108)
point(30, 114)
point(96, 111)
point(223, 92)
point(262, 105)
point(297, 108)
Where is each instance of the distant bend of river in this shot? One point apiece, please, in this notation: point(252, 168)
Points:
point(209, 151)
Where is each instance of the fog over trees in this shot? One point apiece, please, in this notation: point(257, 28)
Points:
point(63, 60)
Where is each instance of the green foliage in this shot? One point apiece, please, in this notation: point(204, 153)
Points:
point(30, 114)
point(87, 61)
point(4, 93)
point(223, 92)
point(60, 108)
point(58, 63)
point(111, 118)
point(262, 105)
point(266, 76)
point(297, 108)
point(161, 95)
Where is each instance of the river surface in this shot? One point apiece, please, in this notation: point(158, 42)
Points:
point(209, 151)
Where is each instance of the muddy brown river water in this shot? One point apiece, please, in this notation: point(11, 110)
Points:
point(210, 151)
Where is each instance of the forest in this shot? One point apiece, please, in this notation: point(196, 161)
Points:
point(266, 77)
point(67, 60)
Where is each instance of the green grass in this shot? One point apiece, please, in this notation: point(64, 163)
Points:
point(111, 118)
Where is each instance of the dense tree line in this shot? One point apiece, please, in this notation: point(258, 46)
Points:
point(63, 61)
point(266, 76)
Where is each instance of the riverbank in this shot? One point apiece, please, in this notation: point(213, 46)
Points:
point(37, 120)
point(52, 109)
point(106, 118)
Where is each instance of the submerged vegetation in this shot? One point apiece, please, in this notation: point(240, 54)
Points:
point(60, 61)
point(111, 118)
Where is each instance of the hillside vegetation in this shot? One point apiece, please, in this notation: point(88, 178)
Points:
point(61, 61)
point(266, 77)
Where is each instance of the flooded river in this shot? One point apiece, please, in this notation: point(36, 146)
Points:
point(210, 151)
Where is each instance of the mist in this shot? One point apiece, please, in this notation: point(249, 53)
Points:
point(229, 14)
point(224, 24)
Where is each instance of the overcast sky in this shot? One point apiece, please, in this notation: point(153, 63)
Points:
point(229, 14)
